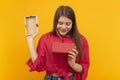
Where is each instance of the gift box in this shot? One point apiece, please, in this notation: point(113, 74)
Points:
point(31, 23)
point(58, 47)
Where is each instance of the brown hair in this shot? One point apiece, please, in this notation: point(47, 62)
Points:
point(74, 33)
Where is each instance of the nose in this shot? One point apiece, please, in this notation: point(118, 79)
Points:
point(63, 26)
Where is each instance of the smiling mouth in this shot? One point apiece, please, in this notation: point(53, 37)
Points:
point(63, 31)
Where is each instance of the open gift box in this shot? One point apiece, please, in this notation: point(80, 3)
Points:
point(31, 23)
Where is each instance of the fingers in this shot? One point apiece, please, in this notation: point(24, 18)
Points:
point(73, 53)
point(28, 36)
point(71, 56)
point(32, 35)
point(35, 34)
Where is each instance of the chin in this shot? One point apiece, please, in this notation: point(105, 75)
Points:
point(63, 34)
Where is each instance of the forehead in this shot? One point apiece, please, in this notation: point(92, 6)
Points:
point(64, 19)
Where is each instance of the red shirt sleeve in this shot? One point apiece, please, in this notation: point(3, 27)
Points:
point(39, 63)
point(84, 61)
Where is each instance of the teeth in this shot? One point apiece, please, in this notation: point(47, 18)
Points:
point(63, 30)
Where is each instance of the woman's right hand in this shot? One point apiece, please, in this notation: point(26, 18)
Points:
point(32, 37)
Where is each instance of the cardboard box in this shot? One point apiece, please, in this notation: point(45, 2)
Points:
point(31, 23)
point(62, 47)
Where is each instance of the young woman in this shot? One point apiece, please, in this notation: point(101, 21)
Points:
point(59, 66)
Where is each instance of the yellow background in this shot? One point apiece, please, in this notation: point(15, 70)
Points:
point(98, 21)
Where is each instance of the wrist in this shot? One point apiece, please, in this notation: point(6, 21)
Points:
point(30, 40)
point(77, 67)
point(72, 64)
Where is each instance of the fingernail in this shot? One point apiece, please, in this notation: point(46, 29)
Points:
point(36, 25)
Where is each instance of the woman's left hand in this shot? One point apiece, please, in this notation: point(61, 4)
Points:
point(72, 57)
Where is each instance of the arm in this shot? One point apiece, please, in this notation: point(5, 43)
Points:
point(82, 66)
point(37, 60)
point(71, 60)
point(84, 61)
point(77, 67)
point(32, 49)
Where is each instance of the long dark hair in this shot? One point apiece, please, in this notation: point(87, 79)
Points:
point(74, 33)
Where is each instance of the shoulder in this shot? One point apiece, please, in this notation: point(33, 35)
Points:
point(46, 38)
point(83, 40)
point(46, 35)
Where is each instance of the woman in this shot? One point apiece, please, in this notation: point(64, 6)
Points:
point(71, 66)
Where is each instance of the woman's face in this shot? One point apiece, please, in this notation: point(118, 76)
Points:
point(64, 25)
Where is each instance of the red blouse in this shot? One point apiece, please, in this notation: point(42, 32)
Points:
point(57, 62)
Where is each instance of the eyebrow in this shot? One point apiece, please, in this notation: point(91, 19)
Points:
point(65, 22)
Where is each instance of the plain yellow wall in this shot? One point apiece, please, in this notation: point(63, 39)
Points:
point(98, 21)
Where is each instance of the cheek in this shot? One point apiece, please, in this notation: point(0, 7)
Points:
point(58, 27)
point(69, 28)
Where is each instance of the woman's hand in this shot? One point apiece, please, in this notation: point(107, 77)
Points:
point(31, 37)
point(72, 57)
point(72, 60)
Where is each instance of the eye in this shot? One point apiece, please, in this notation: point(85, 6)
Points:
point(68, 23)
point(60, 23)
